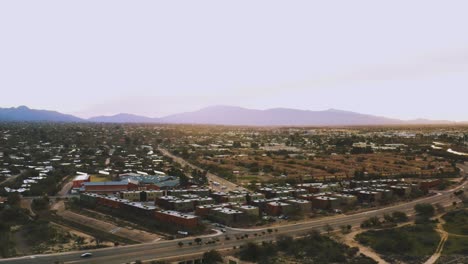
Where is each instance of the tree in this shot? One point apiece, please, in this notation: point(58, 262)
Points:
point(198, 240)
point(388, 218)
point(424, 209)
point(328, 228)
point(212, 257)
point(345, 229)
point(13, 199)
point(180, 244)
point(250, 252)
point(399, 216)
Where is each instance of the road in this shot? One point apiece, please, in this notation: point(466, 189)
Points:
point(167, 249)
point(212, 178)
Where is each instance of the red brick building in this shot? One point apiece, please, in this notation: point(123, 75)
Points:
point(80, 179)
point(178, 219)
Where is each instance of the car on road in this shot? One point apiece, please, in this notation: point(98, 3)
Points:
point(86, 255)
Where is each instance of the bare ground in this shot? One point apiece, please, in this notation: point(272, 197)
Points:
point(133, 234)
point(348, 239)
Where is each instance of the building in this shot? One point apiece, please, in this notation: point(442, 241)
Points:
point(401, 190)
point(80, 179)
point(152, 182)
point(177, 219)
point(174, 203)
point(107, 187)
point(278, 208)
point(228, 216)
point(141, 196)
point(302, 206)
point(139, 209)
point(242, 199)
point(369, 196)
point(249, 210)
point(345, 199)
point(425, 185)
point(204, 210)
point(325, 202)
point(200, 192)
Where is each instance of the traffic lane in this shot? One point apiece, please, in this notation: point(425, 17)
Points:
point(293, 228)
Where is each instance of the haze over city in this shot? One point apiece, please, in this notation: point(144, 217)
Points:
point(215, 132)
point(397, 59)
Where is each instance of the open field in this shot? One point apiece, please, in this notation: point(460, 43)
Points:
point(456, 246)
point(407, 243)
point(457, 222)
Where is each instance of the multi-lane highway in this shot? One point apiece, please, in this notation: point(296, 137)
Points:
point(166, 249)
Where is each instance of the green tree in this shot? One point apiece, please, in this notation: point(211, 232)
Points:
point(212, 257)
point(424, 210)
point(399, 216)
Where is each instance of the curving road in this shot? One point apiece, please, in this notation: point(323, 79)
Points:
point(228, 186)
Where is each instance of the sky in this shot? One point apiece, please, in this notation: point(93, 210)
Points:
point(400, 59)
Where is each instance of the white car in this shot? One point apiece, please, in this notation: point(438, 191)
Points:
point(86, 255)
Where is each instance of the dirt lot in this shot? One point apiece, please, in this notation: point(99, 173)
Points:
point(133, 234)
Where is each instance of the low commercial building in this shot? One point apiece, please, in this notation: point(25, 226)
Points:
point(80, 179)
point(107, 187)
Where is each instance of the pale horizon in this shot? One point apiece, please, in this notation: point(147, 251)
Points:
point(398, 59)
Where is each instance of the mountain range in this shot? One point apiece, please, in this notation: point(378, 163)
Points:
point(222, 115)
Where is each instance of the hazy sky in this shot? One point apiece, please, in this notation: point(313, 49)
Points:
point(402, 59)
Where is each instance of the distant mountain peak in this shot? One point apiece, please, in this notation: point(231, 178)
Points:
point(223, 115)
point(23, 107)
point(25, 114)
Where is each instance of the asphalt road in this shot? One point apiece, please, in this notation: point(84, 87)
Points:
point(228, 186)
point(165, 249)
